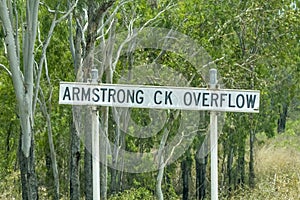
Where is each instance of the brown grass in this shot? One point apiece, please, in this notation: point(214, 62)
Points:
point(277, 170)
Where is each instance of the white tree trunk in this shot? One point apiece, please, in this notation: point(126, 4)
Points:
point(22, 90)
point(162, 165)
point(23, 87)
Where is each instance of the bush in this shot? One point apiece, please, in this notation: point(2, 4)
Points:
point(134, 194)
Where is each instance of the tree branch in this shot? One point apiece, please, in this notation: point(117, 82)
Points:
point(132, 35)
point(44, 50)
point(13, 59)
point(228, 22)
point(6, 69)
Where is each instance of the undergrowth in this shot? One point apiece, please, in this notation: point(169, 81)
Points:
point(277, 170)
point(277, 164)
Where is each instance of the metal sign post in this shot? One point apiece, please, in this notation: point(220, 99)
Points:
point(214, 140)
point(95, 144)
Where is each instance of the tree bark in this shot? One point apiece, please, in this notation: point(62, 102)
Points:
point(251, 162)
point(241, 164)
point(201, 177)
point(118, 144)
point(186, 174)
point(74, 164)
point(49, 173)
point(229, 166)
point(28, 175)
point(282, 118)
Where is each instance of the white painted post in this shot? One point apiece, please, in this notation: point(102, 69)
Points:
point(95, 145)
point(213, 140)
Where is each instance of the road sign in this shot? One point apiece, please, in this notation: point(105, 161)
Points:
point(163, 97)
point(159, 97)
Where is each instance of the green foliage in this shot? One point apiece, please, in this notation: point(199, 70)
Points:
point(10, 186)
point(140, 193)
point(9, 129)
point(293, 127)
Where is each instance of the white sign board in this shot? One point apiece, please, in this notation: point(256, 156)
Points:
point(160, 97)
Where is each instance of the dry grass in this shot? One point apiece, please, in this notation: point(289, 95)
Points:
point(277, 170)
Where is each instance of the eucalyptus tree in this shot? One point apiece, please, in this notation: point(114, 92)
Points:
point(98, 23)
point(23, 85)
point(88, 17)
point(20, 28)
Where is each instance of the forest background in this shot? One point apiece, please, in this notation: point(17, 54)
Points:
point(254, 44)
